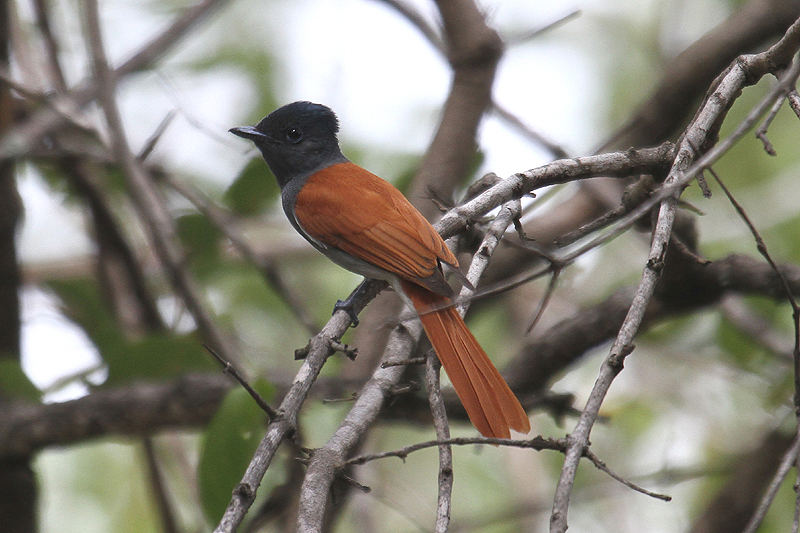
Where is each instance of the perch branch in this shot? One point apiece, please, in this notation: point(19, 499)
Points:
point(700, 133)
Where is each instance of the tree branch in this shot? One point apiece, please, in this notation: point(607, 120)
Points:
point(700, 134)
point(22, 139)
point(151, 206)
point(140, 409)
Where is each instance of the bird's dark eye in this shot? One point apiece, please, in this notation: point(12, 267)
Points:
point(294, 135)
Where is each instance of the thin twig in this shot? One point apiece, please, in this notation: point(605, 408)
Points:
point(229, 369)
point(537, 443)
point(601, 465)
point(762, 249)
point(55, 105)
point(551, 287)
point(705, 123)
point(169, 523)
point(507, 215)
point(761, 132)
point(412, 15)
point(527, 36)
point(796, 518)
point(150, 204)
point(445, 479)
point(41, 7)
point(23, 137)
point(760, 244)
point(405, 362)
point(787, 462)
point(555, 149)
point(432, 34)
point(150, 143)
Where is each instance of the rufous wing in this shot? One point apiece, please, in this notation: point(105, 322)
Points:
point(347, 207)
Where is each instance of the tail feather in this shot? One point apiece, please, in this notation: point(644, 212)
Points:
point(489, 402)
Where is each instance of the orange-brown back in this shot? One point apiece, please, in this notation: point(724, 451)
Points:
point(347, 207)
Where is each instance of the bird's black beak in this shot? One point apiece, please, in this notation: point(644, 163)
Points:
point(249, 132)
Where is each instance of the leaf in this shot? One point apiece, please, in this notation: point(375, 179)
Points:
point(154, 356)
point(253, 190)
point(230, 441)
point(202, 240)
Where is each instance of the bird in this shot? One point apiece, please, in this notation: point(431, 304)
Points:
point(366, 225)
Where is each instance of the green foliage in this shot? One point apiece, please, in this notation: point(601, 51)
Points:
point(782, 239)
point(254, 189)
point(154, 356)
point(736, 345)
point(229, 444)
point(201, 238)
point(14, 383)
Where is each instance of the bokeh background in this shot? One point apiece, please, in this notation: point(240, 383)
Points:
point(702, 394)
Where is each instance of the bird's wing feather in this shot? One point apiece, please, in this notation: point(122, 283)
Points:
point(349, 208)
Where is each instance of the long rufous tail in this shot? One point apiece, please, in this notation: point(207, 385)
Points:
point(488, 400)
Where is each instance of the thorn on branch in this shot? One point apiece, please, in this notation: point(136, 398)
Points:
point(302, 353)
point(355, 484)
point(687, 252)
point(403, 362)
point(408, 388)
point(701, 181)
point(353, 397)
point(762, 136)
point(761, 132)
point(442, 204)
point(349, 351)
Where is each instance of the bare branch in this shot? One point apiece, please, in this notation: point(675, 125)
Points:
point(50, 44)
point(326, 460)
point(23, 137)
point(136, 410)
point(445, 481)
point(615, 164)
point(787, 463)
point(228, 368)
point(285, 424)
point(699, 134)
point(537, 443)
point(168, 519)
point(150, 204)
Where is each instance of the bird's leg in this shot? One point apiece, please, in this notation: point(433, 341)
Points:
point(347, 305)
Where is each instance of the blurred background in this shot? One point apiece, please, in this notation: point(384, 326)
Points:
point(707, 390)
